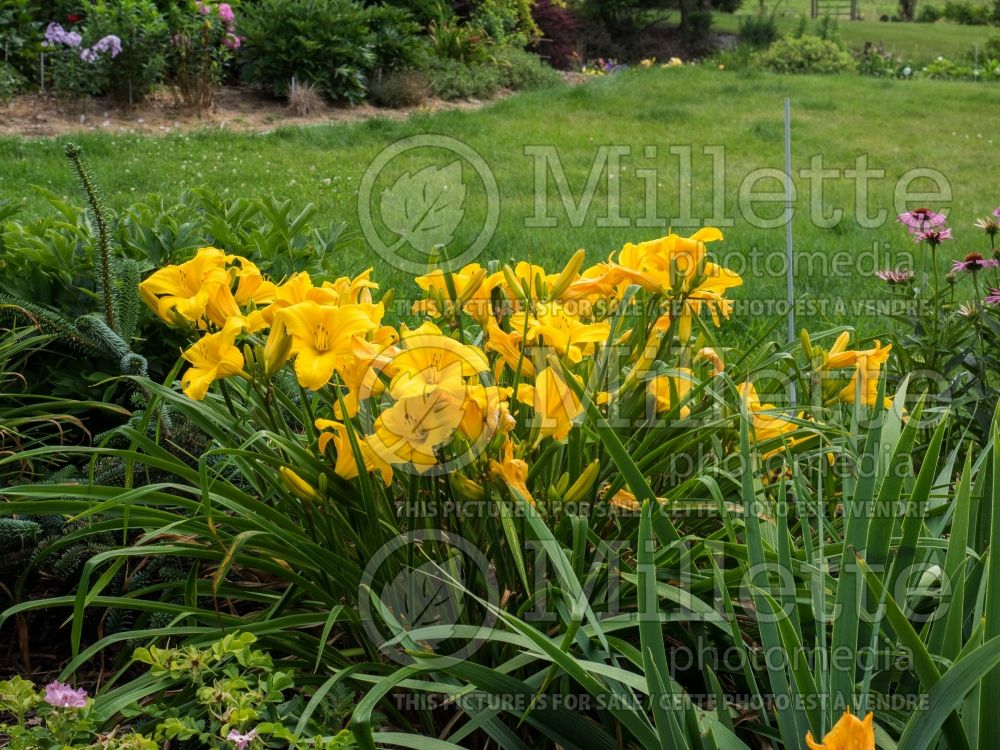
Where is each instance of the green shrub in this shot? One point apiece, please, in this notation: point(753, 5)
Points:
point(510, 68)
point(758, 31)
point(807, 54)
point(455, 79)
point(334, 44)
point(991, 49)
point(144, 36)
point(11, 82)
point(520, 70)
point(944, 69)
point(967, 13)
point(928, 14)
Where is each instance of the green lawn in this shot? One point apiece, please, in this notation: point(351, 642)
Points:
point(912, 41)
point(897, 126)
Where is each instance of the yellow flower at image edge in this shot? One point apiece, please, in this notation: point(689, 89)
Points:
point(212, 357)
point(849, 733)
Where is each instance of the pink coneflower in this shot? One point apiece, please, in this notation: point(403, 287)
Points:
point(60, 695)
point(996, 212)
point(974, 263)
point(921, 219)
point(241, 740)
point(932, 237)
point(895, 277)
point(993, 298)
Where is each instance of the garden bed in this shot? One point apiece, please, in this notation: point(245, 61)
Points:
point(236, 108)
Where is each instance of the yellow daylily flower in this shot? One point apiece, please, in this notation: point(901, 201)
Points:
point(513, 472)
point(346, 467)
point(349, 291)
point(473, 288)
point(562, 332)
point(849, 733)
point(185, 290)
point(508, 346)
point(428, 359)
point(764, 419)
point(413, 428)
point(322, 337)
point(296, 289)
point(212, 357)
point(664, 388)
point(867, 370)
point(484, 411)
point(554, 403)
point(251, 286)
point(652, 264)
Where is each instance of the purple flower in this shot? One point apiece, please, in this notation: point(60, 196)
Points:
point(932, 237)
point(921, 219)
point(89, 55)
point(110, 44)
point(974, 263)
point(895, 277)
point(226, 13)
point(204, 9)
point(993, 298)
point(56, 34)
point(241, 740)
point(60, 695)
point(996, 212)
point(232, 41)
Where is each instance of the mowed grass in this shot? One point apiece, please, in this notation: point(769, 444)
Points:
point(894, 126)
point(919, 42)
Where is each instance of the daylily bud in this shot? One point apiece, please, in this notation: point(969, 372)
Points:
point(513, 283)
point(806, 343)
point(277, 349)
point(467, 488)
point(298, 486)
point(568, 275)
point(584, 484)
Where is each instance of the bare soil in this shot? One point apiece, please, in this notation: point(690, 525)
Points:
point(236, 109)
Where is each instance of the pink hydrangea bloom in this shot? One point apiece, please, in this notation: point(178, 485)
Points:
point(241, 740)
point(60, 695)
point(204, 9)
point(226, 13)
